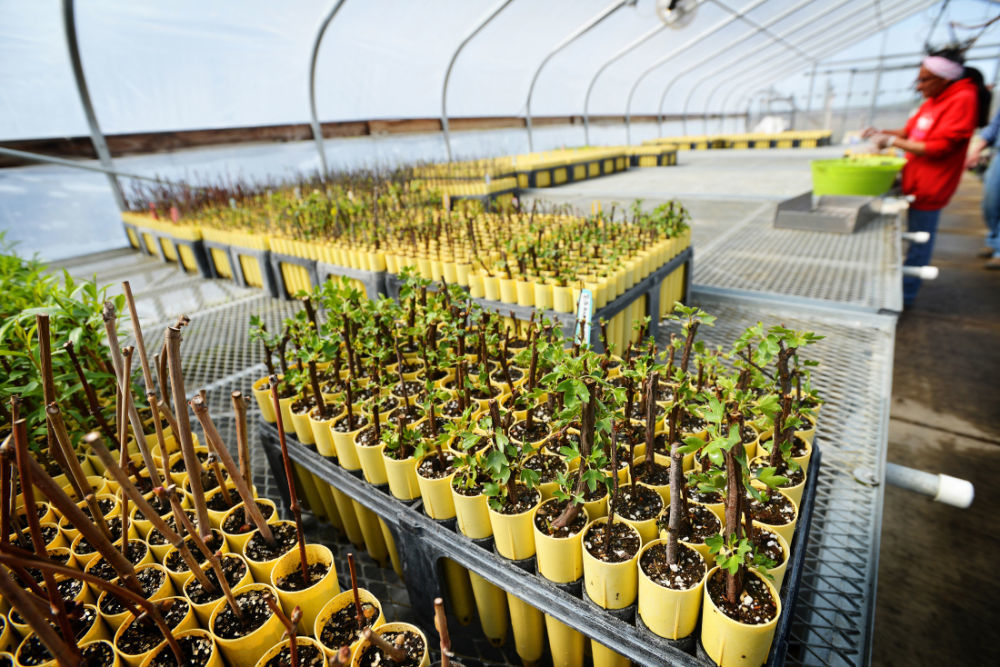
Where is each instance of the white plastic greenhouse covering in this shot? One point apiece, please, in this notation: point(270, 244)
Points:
point(186, 64)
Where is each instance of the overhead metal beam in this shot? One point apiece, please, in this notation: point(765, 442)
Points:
point(96, 136)
point(676, 52)
point(821, 41)
point(742, 57)
point(62, 162)
point(843, 37)
point(642, 39)
point(487, 17)
point(317, 130)
point(569, 39)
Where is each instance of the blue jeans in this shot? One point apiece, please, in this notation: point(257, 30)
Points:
point(991, 204)
point(919, 254)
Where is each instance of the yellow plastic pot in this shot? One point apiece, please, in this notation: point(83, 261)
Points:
point(189, 622)
point(525, 293)
point(402, 477)
point(323, 435)
point(372, 464)
point(303, 430)
point(562, 299)
point(508, 290)
point(667, 612)
point(513, 534)
point(338, 602)
point(566, 645)
point(248, 649)
point(285, 407)
point(491, 288)
point(560, 559)
point(116, 660)
point(597, 508)
point(777, 574)
point(312, 599)
point(214, 658)
point(473, 515)
point(605, 657)
point(180, 577)
point(203, 611)
point(436, 494)
point(731, 643)
point(237, 541)
point(459, 590)
point(115, 621)
point(542, 295)
point(528, 625)
point(347, 453)
point(310, 490)
point(787, 531)
point(8, 637)
point(609, 585)
point(370, 532)
point(425, 660)
point(646, 528)
point(261, 570)
point(476, 287)
point(491, 603)
point(348, 517)
point(96, 632)
point(275, 650)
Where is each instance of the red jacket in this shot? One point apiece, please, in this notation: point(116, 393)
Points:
point(945, 124)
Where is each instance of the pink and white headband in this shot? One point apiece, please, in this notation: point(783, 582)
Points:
point(944, 68)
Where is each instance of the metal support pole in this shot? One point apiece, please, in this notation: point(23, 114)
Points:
point(996, 72)
point(878, 80)
point(96, 136)
point(497, 8)
point(809, 96)
point(317, 131)
point(847, 103)
point(569, 39)
point(590, 88)
point(47, 159)
point(676, 52)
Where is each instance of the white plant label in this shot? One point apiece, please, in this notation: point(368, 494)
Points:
point(584, 315)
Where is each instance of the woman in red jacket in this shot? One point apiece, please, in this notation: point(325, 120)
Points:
point(935, 140)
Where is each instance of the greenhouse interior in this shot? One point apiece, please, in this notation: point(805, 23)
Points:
point(499, 332)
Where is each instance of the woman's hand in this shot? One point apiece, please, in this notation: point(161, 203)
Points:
point(868, 132)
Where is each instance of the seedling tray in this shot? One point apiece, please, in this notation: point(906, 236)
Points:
point(422, 542)
point(286, 291)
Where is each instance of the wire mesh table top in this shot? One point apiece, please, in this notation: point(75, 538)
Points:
point(834, 613)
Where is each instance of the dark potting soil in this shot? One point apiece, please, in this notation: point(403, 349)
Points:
point(238, 523)
point(408, 388)
point(480, 445)
point(161, 505)
point(175, 563)
point(622, 460)
point(598, 492)
point(142, 635)
point(255, 612)
point(777, 511)
point(196, 651)
point(155, 537)
point(526, 499)
point(767, 543)
point(541, 414)
point(233, 569)
point(103, 570)
point(293, 581)
point(408, 641)
point(150, 578)
point(474, 490)
point(104, 504)
point(548, 466)
point(696, 495)
point(341, 628)
point(651, 472)
point(346, 425)
point(624, 542)
point(687, 572)
point(49, 533)
point(638, 503)
point(631, 433)
point(754, 606)
point(362, 395)
point(799, 446)
point(431, 468)
point(304, 404)
point(85, 547)
point(664, 391)
point(180, 466)
point(309, 656)
point(367, 437)
point(7, 661)
point(795, 477)
point(137, 550)
point(260, 551)
point(701, 524)
point(748, 435)
point(97, 654)
point(549, 511)
point(639, 411)
point(425, 430)
point(453, 408)
point(330, 383)
point(405, 415)
point(217, 503)
point(499, 376)
point(387, 404)
point(69, 588)
point(33, 652)
point(538, 432)
point(690, 423)
point(484, 393)
point(142, 483)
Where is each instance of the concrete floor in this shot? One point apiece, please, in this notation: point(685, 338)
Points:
point(937, 591)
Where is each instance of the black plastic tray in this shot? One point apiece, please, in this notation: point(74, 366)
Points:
point(422, 542)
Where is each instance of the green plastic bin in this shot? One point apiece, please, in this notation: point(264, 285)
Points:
point(871, 176)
